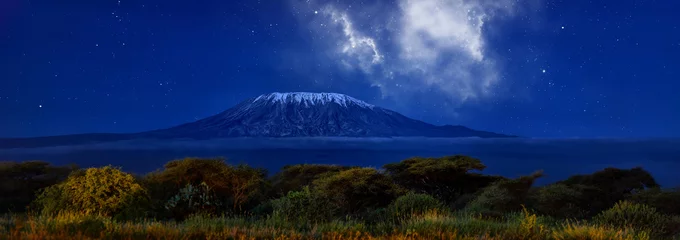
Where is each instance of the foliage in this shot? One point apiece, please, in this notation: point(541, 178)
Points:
point(358, 189)
point(338, 203)
point(557, 200)
point(504, 196)
point(236, 184)
point(19, 182)
point(193, 200)
point(303, 206)
point(413, 204)
point(604, 188)
point(665, 200)
point(105, 191)
point(446, 178)
point(295, 177)
point(638, 216)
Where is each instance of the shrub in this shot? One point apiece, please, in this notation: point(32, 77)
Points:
point(605, 188)
point(664, 200)
point(19, 182)
point(445, 178)
point(303, 206)
point(414, 204)
point(637, 216)
point(233, 185)
point(295, 177)
point(503, 196)
point(357, 190)
point(193, 200)
point(557, 200)
point(103, 191)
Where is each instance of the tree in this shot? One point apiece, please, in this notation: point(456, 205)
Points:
point(446, 178)
point(20, 181)
point(505, 195)
point(244, 183)
point(236, 184)
point(602, 189)
point(358, 189)
point(98, 191)
point(295, 177)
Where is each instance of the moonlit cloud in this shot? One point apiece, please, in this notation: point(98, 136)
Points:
point(431, 45)
point(355, 45)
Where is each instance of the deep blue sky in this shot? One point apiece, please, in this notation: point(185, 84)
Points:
point(533, 68)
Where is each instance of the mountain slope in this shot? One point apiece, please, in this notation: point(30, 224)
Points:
point(301, 114)
point(297, 114)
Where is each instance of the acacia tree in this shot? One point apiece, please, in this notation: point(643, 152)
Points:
point(228, 183)
point(295, 177)
point(19, 182)
point(358, 189)
point(245, 182)
point(446, 178)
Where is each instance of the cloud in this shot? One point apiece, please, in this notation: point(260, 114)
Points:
point(431, 47)
point(355, 45)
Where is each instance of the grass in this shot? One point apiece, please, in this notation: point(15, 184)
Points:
point(431, 225)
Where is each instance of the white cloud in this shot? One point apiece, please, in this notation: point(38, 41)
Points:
point(362, 48)
point(435, 45)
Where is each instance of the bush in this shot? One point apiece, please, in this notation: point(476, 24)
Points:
point(19, 182)
point(103, 191)
point(639, 217)
point(303, 206)
point(557, 200)
point(664, 200)
point(414, 204)
point(445, 178)
point(357, 190)
point(606, 187)
point(193, 200)
point(234, 186)
point(503, 196)
point(295, 177)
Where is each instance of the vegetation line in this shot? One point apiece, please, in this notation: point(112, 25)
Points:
point(417, 198)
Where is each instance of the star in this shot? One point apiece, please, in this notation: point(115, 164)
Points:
point(40, 106)
point(316, 12)
point(562, 27)
point(543, 70)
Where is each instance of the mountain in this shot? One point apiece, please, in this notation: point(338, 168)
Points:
point(301, 114)
point(296, 114)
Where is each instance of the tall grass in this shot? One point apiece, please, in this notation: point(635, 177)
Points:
point(430, 225)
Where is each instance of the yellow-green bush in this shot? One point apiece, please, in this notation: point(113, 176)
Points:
point(639, 217)
point(103, 191)
point(414, 204)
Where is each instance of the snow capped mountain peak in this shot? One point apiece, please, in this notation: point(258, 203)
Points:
point(310, 99)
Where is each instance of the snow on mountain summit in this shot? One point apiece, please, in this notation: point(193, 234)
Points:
point(310, 99)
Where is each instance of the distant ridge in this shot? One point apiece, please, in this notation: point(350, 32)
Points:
point(277, 115)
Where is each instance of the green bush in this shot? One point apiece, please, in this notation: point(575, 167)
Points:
point(604, 188)
point(446, 178)
point(503, 196)
point(640, 217)
point(414, 204)
point(357, 190)
point(234, 186)
point(303, 206)
point(664, 200)
point(19, 182)
point(557, 200)
point(295, 177)
point(192, 200)
point(103, 191)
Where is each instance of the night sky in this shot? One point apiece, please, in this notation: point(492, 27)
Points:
point(537, 68)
